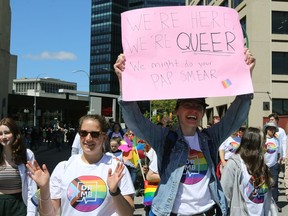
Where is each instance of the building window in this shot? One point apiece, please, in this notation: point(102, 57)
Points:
point(235, 3)
point(225, 3)
point(279, 22)
point(280, 106)
point(201, 2)
point(280, 63)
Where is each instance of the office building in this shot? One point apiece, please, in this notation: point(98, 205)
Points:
point(266, 24)
point(106, 39)
point(8, 62)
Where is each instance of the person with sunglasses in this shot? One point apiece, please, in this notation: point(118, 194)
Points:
point(187, 156)
point(91, 183)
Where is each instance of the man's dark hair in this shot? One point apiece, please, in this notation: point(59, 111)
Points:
point(275, 115)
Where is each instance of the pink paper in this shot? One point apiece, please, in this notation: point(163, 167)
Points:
point(183, 52)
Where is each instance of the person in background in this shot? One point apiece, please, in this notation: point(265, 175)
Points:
point(116, 131)
point(286, 176)
point(246, 179)
point(93, 183)
point(226, 150)
point(76, 146)
point(114, 145)
point(215, 119)
point(280, 134)
point(187, 186)
point(152, 175)
point(16, 188)
point(272, 154)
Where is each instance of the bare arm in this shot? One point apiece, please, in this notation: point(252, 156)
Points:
point(222, 156)
point(47, 207)
point(124, 204)
point(152, 176)
point(119, 67)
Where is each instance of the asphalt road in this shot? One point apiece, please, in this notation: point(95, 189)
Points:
point(51, 157)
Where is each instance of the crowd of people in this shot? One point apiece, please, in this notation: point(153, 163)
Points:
point(225, 168)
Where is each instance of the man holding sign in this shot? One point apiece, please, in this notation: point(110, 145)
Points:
point(186, 156)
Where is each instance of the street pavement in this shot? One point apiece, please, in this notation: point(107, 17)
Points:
point(51, 157)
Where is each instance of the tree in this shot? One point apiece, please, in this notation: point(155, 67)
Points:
point(164, 109)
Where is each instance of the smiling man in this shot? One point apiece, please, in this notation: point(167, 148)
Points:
point(187, 156)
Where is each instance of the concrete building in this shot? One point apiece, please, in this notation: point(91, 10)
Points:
point(8, 62)
point(37, 102)
point(266, 24)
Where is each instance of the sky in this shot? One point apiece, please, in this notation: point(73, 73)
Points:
point(52, 39)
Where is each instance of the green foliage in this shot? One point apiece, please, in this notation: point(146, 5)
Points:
point(164, 108)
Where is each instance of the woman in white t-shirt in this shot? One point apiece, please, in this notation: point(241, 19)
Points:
point(246, 179)
point(272, 154)
point(92, 183)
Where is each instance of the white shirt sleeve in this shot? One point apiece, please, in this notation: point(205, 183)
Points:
point(56, 180)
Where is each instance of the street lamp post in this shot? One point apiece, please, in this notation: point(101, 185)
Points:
point(35, 101)
point(89, 95)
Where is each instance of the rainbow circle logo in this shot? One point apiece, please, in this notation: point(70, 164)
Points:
point(86, 193)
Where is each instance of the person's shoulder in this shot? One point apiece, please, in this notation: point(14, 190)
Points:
point(235, 160)
point(29, 152)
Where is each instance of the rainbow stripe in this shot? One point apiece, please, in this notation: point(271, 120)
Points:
point(149, 192)
point(226, 83)
point(86, 193)
point(195, 169)
point(270, 147)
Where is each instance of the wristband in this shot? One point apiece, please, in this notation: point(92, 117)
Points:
point(118, 191)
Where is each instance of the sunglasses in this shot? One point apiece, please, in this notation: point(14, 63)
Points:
point(93, 134)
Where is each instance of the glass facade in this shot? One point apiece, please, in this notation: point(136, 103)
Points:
point(279, 22)
point(105, 44)
point(280, 106)
point(235, 3)
point(280, 63)
point(225, 3)
point(106, 39)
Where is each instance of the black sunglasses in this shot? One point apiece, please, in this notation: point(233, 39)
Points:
point(93, 134)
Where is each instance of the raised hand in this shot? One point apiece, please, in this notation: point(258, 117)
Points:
point(249, 59)
point(113, 179)
point(40, 176)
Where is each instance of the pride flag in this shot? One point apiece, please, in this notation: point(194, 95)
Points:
point(149, 192)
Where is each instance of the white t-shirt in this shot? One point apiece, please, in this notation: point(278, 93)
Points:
point(229, 146)
point(83, 187)
point(272, 149)
point(153, 160)
point(193, 194)
point(281, 135)
point(76, 146)
point(254, 195)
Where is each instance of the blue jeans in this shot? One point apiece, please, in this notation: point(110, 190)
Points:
point(275, 175)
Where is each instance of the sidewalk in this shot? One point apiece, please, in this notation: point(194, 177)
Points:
point(139, 208)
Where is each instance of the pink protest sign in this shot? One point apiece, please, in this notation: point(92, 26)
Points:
point(183, 52)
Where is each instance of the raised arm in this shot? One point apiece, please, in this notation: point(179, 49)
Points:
point(119, 67)
point(124, 204)
point(47, 206)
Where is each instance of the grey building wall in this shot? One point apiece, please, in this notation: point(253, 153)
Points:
point(5, 30)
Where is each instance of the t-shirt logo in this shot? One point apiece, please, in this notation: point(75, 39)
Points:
point(233, 146)
point(270, 147)
point(86, 193)
point(256, 195)
point(195, 169)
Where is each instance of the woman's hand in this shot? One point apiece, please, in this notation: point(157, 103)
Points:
point(119, 67)
point(113, 179)
point(40, 176)
point(249, 59)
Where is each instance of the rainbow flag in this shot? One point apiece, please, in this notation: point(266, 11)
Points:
point(149, 192)
point(226, 83)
